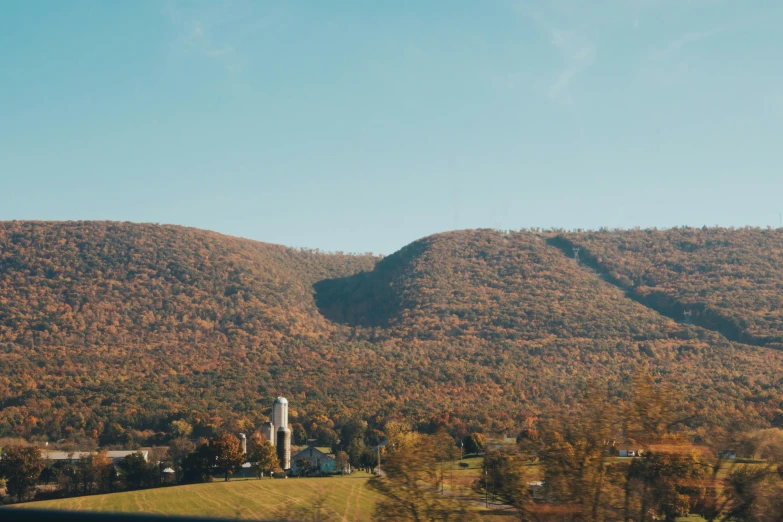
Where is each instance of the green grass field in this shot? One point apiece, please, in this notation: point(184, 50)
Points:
point(346, 499)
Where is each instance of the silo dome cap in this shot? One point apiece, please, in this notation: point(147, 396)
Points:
point(281, 400)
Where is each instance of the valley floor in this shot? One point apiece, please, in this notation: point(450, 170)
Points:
point(348, 499)
point(344, 499)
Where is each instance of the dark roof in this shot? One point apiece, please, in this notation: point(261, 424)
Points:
point(309, 450)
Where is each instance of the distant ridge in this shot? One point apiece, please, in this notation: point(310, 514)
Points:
point(109, 331)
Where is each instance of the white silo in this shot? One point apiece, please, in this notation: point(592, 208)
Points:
point(243, 442)
point(283, 435)
point(268, 429)
point(280, 413)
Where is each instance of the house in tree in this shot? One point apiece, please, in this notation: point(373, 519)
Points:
point(537, 490)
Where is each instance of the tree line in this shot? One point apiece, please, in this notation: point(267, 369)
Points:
point(602, 462)
point(27, 474)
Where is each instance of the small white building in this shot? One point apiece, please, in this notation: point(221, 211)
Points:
point(537, 490)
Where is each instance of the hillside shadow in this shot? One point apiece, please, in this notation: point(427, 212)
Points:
point(351, 300)
point(368, 299)
point(699, 315)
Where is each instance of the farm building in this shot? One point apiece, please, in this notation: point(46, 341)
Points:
point(320, 462)
point(74, 456)
point(537, 490)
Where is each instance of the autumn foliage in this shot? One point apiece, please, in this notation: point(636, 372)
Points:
point(117, 333)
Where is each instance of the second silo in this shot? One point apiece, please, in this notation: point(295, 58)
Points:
point(283, 434)
point(268, 429)
point(284, 447)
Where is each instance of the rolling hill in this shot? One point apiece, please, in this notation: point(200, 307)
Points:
point(109, 331)
point(275, 500)
point(315, 498)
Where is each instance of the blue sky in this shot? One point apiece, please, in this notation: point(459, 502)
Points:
point(362, 126)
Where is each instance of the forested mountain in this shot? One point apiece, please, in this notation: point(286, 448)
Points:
point(111, 331)
point(488, 285)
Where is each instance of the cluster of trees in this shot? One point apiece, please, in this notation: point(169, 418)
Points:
point(20, 468)
point(218, 456)
point(111, 333)
point(412, 482)
point(25, 471)
point(568, 469)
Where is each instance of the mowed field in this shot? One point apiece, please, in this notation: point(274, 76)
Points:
point(340, 498)
point(347, 499)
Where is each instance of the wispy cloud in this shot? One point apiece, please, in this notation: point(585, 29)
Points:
point(574, 29)
point(668, 63)
point(687, 39)
point(578, 53)
point(194, 37)
point(226, 49)
point(573, 37)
